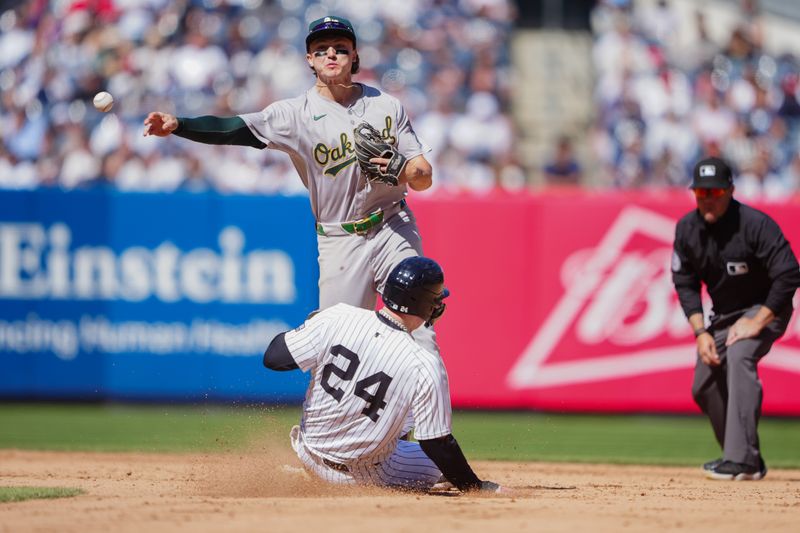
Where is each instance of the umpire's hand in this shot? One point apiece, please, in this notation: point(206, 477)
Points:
point(707, 349)
point(744, 328)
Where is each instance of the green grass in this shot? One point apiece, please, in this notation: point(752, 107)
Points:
point(662, 440)
point(517, 436)
point(18, 494)
point(166, 428)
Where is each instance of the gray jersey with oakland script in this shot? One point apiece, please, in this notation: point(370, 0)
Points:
point(317, 133)
point(366, 377)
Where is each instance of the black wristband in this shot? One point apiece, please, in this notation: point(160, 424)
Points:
point(699, 331)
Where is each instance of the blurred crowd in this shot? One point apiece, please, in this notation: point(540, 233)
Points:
point(447, 60)
point(659, 102)
point(660, 105)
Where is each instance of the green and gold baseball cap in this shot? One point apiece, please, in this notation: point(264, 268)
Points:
point(330, 25)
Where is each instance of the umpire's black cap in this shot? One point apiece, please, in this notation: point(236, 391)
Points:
point(330, 25)
point(711, 173)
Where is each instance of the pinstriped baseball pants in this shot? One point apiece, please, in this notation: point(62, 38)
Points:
point(408, 467)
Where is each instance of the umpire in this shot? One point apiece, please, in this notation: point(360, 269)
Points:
point(751, 274)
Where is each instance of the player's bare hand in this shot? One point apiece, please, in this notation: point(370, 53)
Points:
point(160, 124)
point(707, 349)
point(744, 328)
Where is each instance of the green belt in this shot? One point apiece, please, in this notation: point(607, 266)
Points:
point(359, 227)
point(363, 225)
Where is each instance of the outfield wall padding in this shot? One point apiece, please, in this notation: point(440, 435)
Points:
point(561, 300)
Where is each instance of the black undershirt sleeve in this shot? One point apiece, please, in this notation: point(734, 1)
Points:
point(278, 357)
point(447, 455)
point(209, 129)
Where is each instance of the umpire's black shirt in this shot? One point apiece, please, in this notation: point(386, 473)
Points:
point(743, 259)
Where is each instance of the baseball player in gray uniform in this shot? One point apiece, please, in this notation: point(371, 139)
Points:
point(364, 228)
point(367, 375)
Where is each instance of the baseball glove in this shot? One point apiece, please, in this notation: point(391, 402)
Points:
point(370, 144)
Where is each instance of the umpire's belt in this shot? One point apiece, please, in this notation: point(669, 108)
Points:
point(363, 225)
point(336, 466)
point(726, 320)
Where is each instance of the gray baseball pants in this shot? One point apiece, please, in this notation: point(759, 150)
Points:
point(353, 268)
point(731, 393)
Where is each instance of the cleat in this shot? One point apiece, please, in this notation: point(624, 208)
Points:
point(730, 471)
point(711, 465)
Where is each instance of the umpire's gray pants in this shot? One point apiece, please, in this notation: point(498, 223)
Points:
point(730, 394)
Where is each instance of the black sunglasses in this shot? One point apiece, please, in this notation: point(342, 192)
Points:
point(323, 53)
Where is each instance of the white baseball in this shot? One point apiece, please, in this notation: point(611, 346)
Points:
point(103, 101)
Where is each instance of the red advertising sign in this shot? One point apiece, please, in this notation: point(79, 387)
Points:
point(564, 302)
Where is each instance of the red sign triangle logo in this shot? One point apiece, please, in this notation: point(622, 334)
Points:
point(619, 315)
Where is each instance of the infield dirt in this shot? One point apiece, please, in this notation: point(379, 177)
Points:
point(265, 490)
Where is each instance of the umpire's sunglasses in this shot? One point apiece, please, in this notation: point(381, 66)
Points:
point(716, 192)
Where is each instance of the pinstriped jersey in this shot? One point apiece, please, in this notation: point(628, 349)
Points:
point(366, 377)
point(317, 133)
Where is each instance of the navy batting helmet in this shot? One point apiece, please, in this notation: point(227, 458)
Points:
point(416, 287)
